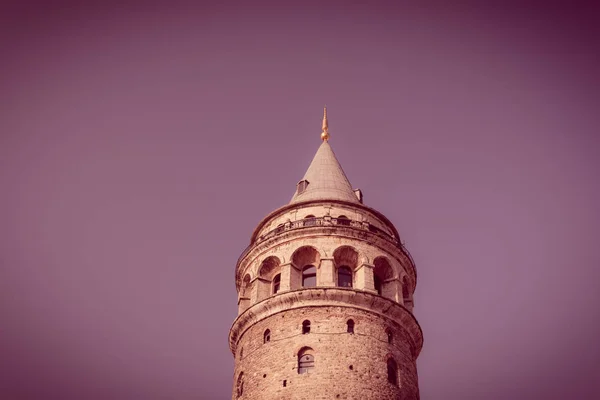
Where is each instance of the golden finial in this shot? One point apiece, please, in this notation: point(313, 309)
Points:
point(325, 133)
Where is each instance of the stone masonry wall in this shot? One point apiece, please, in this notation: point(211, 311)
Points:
point(347, 366)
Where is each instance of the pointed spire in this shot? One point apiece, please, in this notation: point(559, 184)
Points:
point(325, 133)
point(325, 179)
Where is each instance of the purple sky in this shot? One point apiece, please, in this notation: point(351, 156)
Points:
point(141, 144)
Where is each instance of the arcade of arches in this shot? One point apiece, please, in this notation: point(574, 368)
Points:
point(308, 269)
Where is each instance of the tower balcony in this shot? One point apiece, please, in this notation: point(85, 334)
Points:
point(326, 221)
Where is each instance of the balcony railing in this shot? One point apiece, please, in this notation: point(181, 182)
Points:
point(324, 221)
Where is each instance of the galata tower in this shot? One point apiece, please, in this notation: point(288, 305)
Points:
point(325, 295)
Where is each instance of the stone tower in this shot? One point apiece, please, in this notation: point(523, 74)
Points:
point(325, 294)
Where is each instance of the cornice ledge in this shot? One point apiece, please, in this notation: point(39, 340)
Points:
point(321, 296)
point(301, 204)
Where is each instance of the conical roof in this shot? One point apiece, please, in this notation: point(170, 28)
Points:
point(326, 179)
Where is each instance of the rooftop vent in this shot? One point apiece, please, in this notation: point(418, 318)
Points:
point(302, 186)
point(359, 195)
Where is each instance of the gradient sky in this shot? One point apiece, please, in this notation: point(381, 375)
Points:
point(140, 144)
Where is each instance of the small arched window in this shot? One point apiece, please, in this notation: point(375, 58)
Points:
point(343, 220)
point(344, 277)
point(267, 336)
point(276, 283)
point(306, 360)
point(390, 335)
point(350, 326)
point(309, 276)
point(310, 220)
point(305, 327)
point(240, 385)
point(392, 372)
point(377, 282)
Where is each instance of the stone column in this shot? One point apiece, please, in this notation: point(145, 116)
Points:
point(253, 291)
point(244, 296)
point(326, 273)
point(295, 277)
point(409, 305)
point(286, 277)
point(406, 301)
point(261, 289)
point(363, 278)
point(243, 304)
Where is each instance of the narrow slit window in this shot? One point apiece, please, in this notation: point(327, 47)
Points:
point(240, 385)
point(305, 327)
point(267, 336)
point(392, 372)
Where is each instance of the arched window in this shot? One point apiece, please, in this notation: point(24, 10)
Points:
point(343, 220)
point(267, 336)
point(392, 371)
point(309, 276)
point(276, 283)
point(302, 275)
point(377, 284)
point(345, 259)
point(350, 326)
point(390, 335)
point(240, 384)
point(305, 327)
point(344, 277)
point(306, 360)
point(269, 268)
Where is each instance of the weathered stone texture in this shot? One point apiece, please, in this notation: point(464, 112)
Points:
point(347, 366)
point(325, 229)
point(259, 268)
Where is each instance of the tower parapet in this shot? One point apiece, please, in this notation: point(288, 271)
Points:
point(325, 297)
